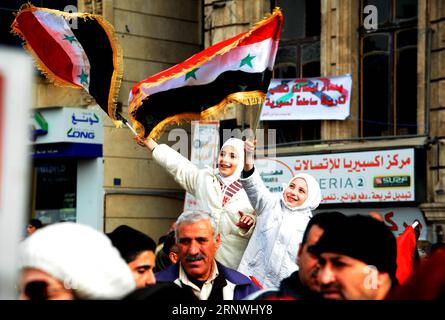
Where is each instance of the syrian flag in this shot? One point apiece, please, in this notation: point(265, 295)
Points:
point(406, 245)
point(235, 70)
point(85, 56)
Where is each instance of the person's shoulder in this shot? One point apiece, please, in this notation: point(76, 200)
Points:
point(162, 291)
point(234, 276)
point(263, 294)
point(169, 274)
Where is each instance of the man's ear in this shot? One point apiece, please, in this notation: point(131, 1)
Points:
point(383, 279)
point(173, 256)
point(217, 241)
point(300, 251)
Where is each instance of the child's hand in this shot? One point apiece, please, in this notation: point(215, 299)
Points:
point(148, 143)
point(245, 222)
point(249, 151)
point(140, 141)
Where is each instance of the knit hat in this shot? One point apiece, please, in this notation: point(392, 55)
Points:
point(131, 242)
point(79, 256)
point(362, 238)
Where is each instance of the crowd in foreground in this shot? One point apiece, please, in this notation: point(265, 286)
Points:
point(244, 243)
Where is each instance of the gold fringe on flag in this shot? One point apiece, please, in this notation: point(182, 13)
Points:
point(246, 98)
point(118, 71)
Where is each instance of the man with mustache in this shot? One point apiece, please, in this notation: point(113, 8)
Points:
point(197, 270)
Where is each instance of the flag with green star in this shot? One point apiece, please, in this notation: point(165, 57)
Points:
point(238, 69)
point(87, 57)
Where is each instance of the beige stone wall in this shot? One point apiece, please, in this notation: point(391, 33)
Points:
point(339, 55)
point(225, 19)
point(435, 208)
point(154, 36)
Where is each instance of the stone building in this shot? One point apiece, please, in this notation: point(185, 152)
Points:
point(393, 50)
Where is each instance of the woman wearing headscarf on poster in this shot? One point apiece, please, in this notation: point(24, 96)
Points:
point(217, 191)
point(281, 220)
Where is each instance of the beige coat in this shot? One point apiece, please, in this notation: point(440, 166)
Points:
point(203, 184)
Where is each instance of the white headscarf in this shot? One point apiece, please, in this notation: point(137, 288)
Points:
point(313, 193)
point(80, 255)
point(238, 145)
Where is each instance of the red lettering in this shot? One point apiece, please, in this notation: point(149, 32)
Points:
point(392, 225)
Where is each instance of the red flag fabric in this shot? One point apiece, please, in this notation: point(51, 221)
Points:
point(427, 281)
point(86, 56)
point(238, 69)
point(406, 244)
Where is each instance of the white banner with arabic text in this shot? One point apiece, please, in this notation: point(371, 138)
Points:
point(308, 99)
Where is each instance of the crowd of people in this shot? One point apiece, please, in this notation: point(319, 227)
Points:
point(244, 243)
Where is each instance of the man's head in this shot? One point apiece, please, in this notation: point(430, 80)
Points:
point(357, 259)
point(307, 261)
point(138, 250)
point(68, 261)
point(168, 255)
point(33, 226)
point(197, 241)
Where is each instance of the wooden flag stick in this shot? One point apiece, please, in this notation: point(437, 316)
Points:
point(121, 118)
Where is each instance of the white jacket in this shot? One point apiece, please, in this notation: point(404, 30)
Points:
point(272, 250)
point(205, 187)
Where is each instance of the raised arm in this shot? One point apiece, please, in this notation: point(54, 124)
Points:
point(249, 151)
point(259, 196)
point(183, 171)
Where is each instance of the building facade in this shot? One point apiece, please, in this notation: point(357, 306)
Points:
point(394, 51)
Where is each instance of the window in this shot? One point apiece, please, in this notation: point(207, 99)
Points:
point(55, 190)
point(298, 56)
point(388, 70)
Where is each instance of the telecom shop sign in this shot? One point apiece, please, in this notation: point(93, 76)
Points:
point(371, 176)
point(75, 125)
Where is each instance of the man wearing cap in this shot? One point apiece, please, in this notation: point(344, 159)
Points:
point(357, 260)
point(138, 250)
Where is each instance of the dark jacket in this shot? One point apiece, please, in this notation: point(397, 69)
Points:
point(243, 285)
point(291, 288)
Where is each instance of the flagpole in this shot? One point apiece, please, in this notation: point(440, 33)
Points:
point(125, 121)
point(258, 119)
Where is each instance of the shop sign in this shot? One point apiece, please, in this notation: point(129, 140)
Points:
point(76, 125)
point(371, 176)
point(397, 219)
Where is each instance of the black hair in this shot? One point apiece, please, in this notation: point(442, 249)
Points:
point(162, 258)
point(36, 223)
point(131, 242)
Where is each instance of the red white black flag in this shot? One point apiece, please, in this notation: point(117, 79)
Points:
point(238, 69)
point(86, 56)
